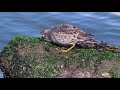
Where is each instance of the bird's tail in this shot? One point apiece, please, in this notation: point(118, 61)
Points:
point(88, 43)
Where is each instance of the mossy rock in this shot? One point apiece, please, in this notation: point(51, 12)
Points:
point(32, 57)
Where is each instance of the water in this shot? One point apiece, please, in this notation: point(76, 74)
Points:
point(103, 25)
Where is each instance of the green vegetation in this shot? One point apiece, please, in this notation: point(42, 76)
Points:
point(34, 57)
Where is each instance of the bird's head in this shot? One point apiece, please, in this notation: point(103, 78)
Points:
point(44, 33)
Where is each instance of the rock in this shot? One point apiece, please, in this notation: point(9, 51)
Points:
point(32, 57)
point(106, 75)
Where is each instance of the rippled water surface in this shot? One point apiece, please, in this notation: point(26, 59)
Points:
point(104, 26)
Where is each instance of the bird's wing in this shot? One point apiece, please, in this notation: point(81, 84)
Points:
point(82, 35)
point(85, 37)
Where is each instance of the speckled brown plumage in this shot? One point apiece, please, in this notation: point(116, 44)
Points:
point(66, 34)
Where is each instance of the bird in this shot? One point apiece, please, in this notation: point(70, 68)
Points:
point(66, 34)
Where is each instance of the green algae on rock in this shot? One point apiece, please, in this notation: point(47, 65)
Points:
point(32, 57)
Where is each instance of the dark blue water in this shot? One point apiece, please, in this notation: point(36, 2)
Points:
point(104, 26)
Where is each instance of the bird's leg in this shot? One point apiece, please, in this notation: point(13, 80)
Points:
point(73, 45)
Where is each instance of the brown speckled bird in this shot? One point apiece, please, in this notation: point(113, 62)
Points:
point(66, 34)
